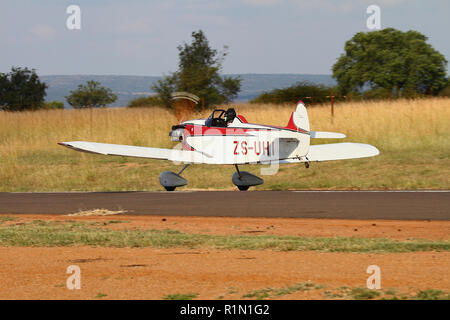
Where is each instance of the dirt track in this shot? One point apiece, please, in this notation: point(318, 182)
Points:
point(154, 273)
point(150, 273)
point(433, 205)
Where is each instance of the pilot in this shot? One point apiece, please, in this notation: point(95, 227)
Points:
point(230, 114)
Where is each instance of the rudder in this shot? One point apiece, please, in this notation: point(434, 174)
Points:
point(300, 122)
point(299, 119)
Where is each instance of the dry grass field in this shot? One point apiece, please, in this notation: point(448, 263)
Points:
point(413, 137)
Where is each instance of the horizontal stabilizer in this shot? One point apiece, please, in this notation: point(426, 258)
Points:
point(326, 135)
point(337, 151)
point(341, 151)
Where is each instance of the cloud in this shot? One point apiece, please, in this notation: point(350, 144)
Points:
point(43, 32)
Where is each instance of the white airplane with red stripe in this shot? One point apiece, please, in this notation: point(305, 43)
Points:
point(227, 138)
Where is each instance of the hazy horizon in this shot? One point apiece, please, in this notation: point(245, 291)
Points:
point(128, 87)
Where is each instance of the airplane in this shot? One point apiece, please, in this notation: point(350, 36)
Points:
point(226, 138)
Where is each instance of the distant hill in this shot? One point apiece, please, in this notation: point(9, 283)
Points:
point(131, 87)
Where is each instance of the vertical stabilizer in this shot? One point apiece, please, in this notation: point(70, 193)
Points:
point(299, 121)
point(300, 117)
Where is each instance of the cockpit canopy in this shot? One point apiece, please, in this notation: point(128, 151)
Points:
point(221, 118)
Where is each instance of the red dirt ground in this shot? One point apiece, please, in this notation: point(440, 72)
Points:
point(153, 273)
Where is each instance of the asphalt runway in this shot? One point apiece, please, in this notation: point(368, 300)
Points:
point(399, 205)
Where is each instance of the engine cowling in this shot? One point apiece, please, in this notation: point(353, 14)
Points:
point(177, 133)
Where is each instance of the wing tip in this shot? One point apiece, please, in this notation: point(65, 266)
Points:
point(375, 150)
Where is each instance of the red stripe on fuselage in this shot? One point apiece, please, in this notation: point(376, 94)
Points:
point(242, 118)
point(200, 130)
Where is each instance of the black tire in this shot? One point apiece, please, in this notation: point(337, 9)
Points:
point(170, 188)
point(243, 188)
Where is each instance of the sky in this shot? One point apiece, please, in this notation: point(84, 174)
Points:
point(140, 37)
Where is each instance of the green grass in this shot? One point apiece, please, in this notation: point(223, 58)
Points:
point(71, 172)
point(348, 293)
point(71, 233)
point(181, 296)
point(387, 294)
point(271, 292)
point(6, 218)
point(364, 294)
point(105, 223)
point(433, 295)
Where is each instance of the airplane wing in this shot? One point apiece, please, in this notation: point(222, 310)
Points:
point(321, 152)
point(337, 151)
point(140, 152)
point(326, 135)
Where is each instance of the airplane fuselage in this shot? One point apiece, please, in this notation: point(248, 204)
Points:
point(242, 142)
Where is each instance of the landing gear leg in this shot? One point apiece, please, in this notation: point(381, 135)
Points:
point(241, 188)
point(237, 170)
point(181, 171)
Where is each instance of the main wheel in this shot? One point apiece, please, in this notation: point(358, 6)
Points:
point(243, 188)
point(170, 188)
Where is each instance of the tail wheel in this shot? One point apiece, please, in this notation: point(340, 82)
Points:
point(170, 188)
point(243, 188)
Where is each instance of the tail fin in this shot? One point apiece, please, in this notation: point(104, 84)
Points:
point(299, 119)
point(299, 122)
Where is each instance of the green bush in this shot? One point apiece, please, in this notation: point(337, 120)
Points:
point(306, 91)
point(376, 94)
point(52, 105)
point(142, 102)
point(445, 92)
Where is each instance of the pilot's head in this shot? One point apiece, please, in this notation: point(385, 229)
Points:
point(230, 114)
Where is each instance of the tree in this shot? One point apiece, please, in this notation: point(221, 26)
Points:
point(21, 90)
point(199, 73)
point(165, 87)
point(390, 59)
point(91, 95)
